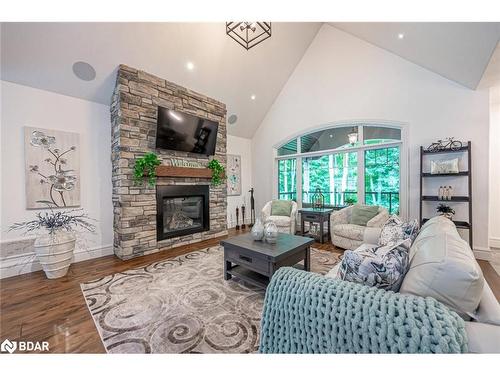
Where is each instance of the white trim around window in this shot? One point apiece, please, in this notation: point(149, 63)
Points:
point(403, 155)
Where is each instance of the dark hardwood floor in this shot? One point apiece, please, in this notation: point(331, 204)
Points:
point(34, 308)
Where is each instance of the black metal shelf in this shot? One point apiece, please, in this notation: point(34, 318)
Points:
point(458, 223)
point(433, 198)
point(446, 151)
point(462, 173)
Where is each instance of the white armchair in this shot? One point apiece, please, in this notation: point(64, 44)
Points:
point(285, 224)
point(351, 236)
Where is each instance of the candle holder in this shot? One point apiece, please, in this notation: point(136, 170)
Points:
point(237, 218)
point(252, 208)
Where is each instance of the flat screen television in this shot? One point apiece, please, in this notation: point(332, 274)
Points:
point(180, 131)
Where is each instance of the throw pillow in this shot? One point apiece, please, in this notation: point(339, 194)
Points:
point(444, 166)
point(383, 267)
point(396, 230)
point(363, 214)
point(281, 208)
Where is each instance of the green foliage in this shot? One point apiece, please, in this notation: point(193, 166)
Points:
point(445, 209)
point(217, 172)
point(145, 167)
point(337, 177)
point(350, 201)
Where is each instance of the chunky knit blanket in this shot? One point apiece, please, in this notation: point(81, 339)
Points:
point(308, 313)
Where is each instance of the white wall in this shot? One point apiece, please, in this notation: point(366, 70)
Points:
point(243, 147)
point(342, 78)
point(24, 106)
point(495, 167)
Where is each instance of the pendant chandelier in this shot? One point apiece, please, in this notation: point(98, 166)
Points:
point(353, 136)
point(248, 34)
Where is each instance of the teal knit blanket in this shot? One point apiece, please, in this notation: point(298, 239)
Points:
point(308, 313)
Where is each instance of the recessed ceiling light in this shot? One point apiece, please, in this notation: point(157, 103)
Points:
point(84, 71)
point(190, 65)
point(401, 36)
point(253, 97)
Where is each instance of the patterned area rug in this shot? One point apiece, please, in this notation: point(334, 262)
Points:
point(181, 305)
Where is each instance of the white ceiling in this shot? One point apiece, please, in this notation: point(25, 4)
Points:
point(41, 55)
point(459, 51)
point(491, 77)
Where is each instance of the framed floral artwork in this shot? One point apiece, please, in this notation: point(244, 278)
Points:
point(233, 174)
point(52, 168)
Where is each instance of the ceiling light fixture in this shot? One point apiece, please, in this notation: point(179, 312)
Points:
point(253, 97)
point(353, 136)
point(189, 65)
point(401, 36)
point(248, 34)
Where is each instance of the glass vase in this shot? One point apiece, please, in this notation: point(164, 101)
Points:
point(270, 232)
point(258, 231)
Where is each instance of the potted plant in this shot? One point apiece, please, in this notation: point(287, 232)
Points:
point(145, 167)
point(445, 210)
point(350, 201)
point(217, 172)
point(54, 248)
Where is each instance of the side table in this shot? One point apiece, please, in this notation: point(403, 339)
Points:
point(319, 216)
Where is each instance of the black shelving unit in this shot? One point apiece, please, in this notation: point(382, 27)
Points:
point(433, 198)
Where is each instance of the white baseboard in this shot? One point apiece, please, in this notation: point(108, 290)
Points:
point(483, 253)
point(26, 263)
point(495, 242)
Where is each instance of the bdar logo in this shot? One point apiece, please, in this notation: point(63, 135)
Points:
point(8, 346)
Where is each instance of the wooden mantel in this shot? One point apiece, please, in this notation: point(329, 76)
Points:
point(170, 171)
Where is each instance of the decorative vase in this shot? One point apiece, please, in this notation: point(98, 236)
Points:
point(258, 231)
point(270, 232)
point(55, 253)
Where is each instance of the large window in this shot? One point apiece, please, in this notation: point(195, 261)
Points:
point(382, 178)
point(335, 174)
point(351, 163)
point(287, 179)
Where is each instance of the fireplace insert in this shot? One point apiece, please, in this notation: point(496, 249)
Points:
point(181, 210)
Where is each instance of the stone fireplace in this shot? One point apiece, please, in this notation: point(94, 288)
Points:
point(178, 210)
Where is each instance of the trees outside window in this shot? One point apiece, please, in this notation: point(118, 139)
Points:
point(367, 171)
point(335, 174)
point(287, 179)
point(382, 175)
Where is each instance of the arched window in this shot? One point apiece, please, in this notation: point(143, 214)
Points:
point(350, 163)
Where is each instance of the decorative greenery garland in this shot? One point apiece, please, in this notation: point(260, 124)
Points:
point(146, 167)
point(217, 172)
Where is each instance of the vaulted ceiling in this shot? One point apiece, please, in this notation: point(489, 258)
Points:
point(41, 55)
point(459, 51)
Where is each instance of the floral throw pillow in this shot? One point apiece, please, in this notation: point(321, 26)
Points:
point(383, 267)
point(396, 230)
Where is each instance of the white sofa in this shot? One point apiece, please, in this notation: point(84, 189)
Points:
point(285, 224)
point(350, 236)
point(443, 266)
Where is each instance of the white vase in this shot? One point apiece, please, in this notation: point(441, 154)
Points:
point(55, 253)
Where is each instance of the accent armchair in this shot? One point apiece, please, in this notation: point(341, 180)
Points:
point(350, 236)
point(285, 224)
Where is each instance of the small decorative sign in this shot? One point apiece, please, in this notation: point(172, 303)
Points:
point(183, 163)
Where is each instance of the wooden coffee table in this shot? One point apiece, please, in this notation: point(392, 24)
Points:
point(256, 261)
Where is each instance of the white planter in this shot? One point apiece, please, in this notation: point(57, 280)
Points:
point(55, 253)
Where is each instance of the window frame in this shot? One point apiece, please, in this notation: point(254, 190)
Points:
point(360, 149)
